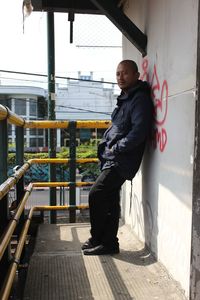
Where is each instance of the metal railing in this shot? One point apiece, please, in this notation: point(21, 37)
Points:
point(9, 264)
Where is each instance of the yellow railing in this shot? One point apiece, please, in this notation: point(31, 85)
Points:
point(6, 113)
point(65, 124)
point(11, 181)
point(8, 184)
point(6, 288)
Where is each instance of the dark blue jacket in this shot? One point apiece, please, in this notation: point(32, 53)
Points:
point(124, 141)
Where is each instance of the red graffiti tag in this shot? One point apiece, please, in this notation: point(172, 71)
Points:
point(160, 99)
point(159, 138)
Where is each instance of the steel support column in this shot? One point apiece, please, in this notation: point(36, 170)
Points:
point(72, 170)
point(20, 184)
point(51, 108)
point(4, 263)
point(20, 162)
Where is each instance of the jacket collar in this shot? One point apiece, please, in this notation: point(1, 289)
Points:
point(125, 96)
point(140, 84)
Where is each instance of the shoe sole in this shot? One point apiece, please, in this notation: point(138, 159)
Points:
point(101, 253)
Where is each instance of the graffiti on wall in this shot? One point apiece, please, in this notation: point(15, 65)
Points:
point(159, 90)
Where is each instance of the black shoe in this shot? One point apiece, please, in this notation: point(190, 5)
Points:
point(101, 250)
point(88, 244)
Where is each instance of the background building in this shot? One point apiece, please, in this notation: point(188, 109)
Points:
point(79, 98)
point(29, 103)
point(83, 99)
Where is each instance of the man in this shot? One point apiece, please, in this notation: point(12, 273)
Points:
point(120, 153)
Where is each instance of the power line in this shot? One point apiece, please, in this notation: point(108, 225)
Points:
point(60, 83)
point(60, 77)
point(82, 109)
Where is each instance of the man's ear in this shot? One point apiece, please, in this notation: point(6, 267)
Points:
point(138, 75)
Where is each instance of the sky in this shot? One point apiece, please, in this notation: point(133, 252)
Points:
point(27, 51)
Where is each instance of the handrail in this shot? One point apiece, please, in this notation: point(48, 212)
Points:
point(3, 112)
point(12, 180)
point(59, 184)
point(65, 124)
point(60, 160)
point(92, 124)
point(6, 186)
point(8, 282)
point(13, 223)
point(46, 124)
point(6, 113)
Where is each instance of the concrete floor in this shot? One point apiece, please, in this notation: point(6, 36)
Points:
point(58, 269)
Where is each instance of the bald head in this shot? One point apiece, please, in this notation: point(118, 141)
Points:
point(131, 63)
point(127, 74)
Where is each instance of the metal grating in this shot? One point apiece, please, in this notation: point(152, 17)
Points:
point(58, 270)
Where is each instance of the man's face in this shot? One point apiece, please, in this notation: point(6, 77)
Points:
point(126, 76)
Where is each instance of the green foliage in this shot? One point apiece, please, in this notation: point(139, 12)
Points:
point(28, 156)
point(82, 151)
point(64, 153)
point(89, 169)
point(86, 151)
point(11, 159)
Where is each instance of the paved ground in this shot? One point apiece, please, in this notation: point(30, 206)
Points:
point(58, 269)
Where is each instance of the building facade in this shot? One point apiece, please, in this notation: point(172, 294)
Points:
point(83, 99)
point(80, 98)
point(30, 104)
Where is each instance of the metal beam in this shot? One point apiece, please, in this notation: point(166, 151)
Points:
point(109, 8)
point(123, 23)
point(78, 6)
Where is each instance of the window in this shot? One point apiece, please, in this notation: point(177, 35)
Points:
point(20, 107)
point(32, 131)
point(33, 142)
point(40, 142)
point(85, 77)
point(33, 107)
point(9, 103)
point(40, 132)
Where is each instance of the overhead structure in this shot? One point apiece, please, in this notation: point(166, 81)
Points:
point(112, 9)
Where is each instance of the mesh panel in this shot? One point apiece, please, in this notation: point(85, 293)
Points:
point(95, 31)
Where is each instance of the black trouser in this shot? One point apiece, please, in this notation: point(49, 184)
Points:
point(104, 203)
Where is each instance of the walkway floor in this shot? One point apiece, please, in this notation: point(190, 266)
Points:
point(59, 271)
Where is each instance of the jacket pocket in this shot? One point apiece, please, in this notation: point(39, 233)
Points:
point(101, 148)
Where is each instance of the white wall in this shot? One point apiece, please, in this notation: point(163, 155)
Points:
point(160, 210)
